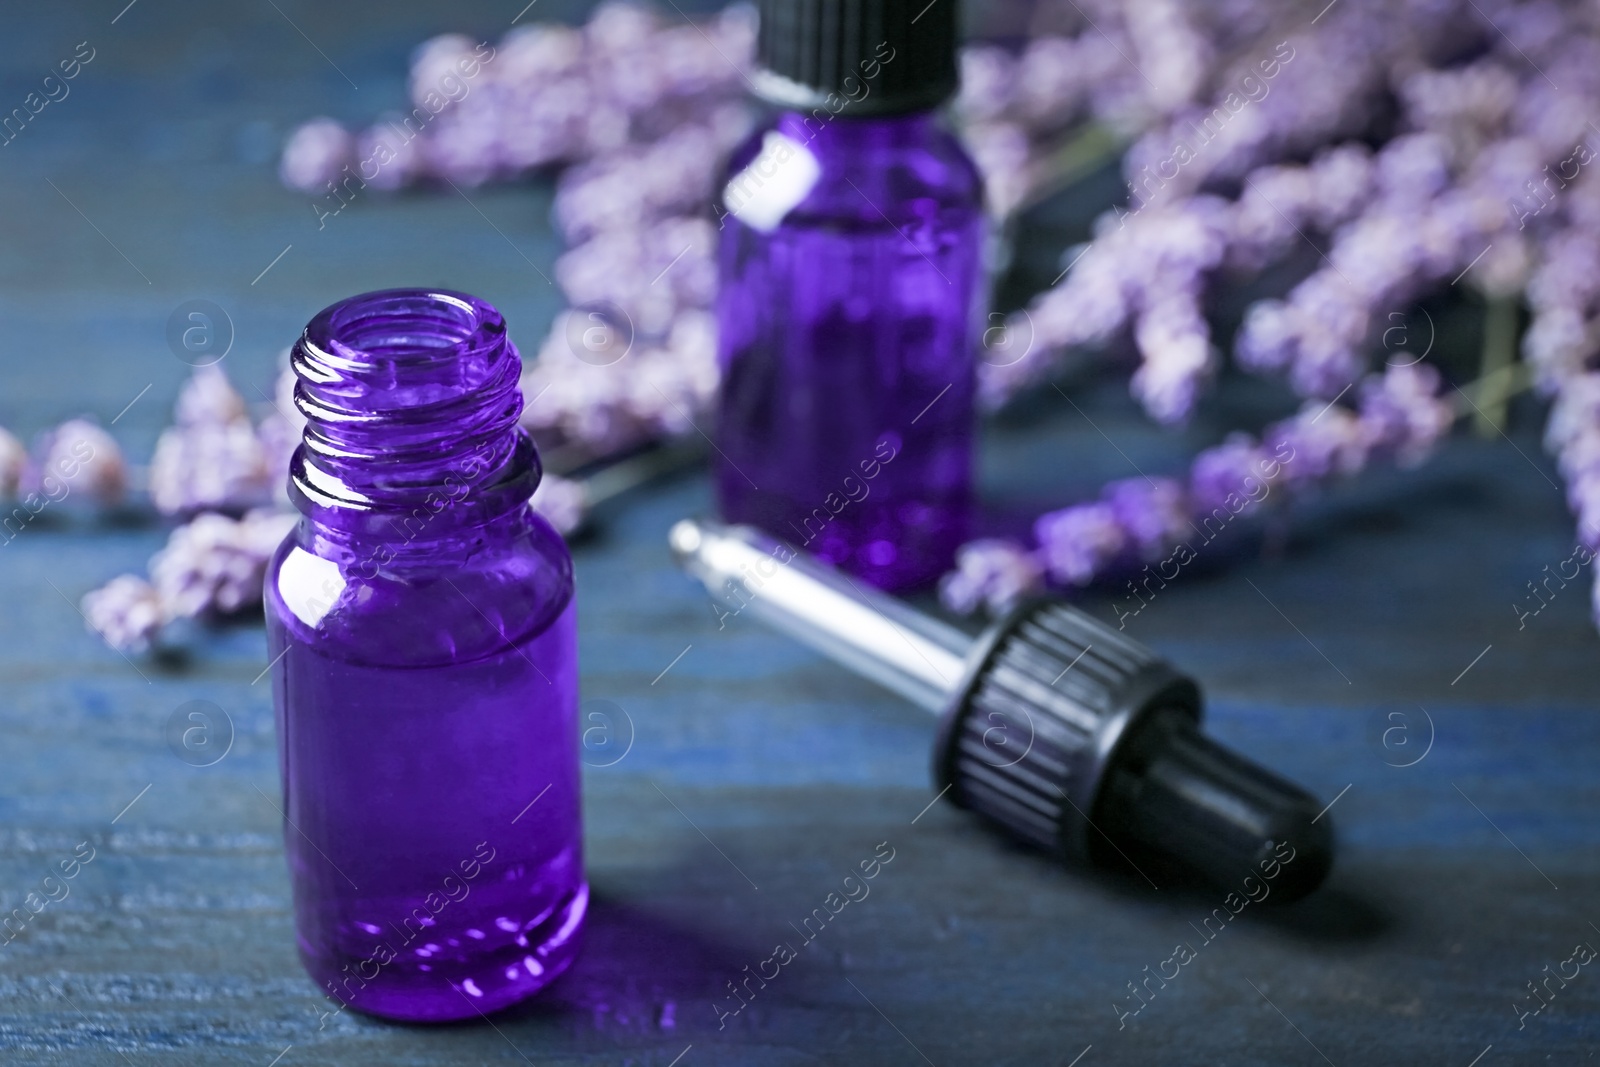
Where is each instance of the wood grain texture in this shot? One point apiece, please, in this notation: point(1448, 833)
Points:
point(753, 760)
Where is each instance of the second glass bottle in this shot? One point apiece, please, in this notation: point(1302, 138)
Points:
point(850, 276)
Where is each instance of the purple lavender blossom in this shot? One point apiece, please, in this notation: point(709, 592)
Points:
point(1466, 104)
point(211, 457)
point(988, 83)
point(126, 612)
point(77, 458)
point(1076, 543)
point(1053, 77)
point(1467, 186)
point(214, 565)
point(1226, 471)
point(1401, 417)
point(397, 154)
point(1573, 434)
point(1402, 414)
point(1152, 511)
point(211, 567)
point(1268, 342)
point(1176, 343)
point(1324, 439)
point(1414, 168)
point(315, 155)
point(993, 574)
point(1341, 181)
point(1176, 57)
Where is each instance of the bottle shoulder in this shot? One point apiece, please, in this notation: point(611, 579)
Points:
point(797, 169)
point(449, 600)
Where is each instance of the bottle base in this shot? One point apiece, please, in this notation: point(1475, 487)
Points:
point(898, 546)
point(414, 992)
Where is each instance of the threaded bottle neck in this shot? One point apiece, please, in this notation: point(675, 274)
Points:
point(411, 405)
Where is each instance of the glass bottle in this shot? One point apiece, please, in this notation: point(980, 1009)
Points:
point(850, 274)
point(424, 669)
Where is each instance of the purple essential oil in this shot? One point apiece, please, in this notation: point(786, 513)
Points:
point(422, 634)
point(850, 274)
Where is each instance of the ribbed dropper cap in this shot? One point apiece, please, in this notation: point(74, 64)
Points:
point(857, 57)
point(1056, 728)
point(1072, 735)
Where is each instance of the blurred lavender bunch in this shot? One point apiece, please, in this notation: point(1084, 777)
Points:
point(1153, 527)
point(1483, 176)
point(213, 458)
point(211, 568)
point(76, 466)
point(639, 113)
point(1411, 146)
point(1122, 65)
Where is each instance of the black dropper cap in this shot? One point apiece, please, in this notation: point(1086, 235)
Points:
point(1076, 738)
point(1055, 727)
point(857, 57)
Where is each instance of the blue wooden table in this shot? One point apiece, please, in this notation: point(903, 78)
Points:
point(1365, 646)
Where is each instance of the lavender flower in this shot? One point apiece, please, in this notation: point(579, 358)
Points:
point(1402, 414)
point(988, 83)
point(1414, 168)
point(211, 567)
point(1002, 152)
point(651, 390)
point(1176, 344)
point(126, 612)
point(315, 155)
point(1324, 439)
point(1145, 264)
point(621, 191)
point(1175, 57)
point(215, 565)
point(211, 458)
point(77, 457)
point(1341, 181)
point(1076, 543)
point(1475, 181)
point(1269, 339)
point(1273, 207)
point(1401, 417)
point(398, 157)
point(1467, 104)
point(1573, 434)
point(1051, 82)
point(1225, 473)
point(436, 69)
point(994, 574)
point(1152, 511)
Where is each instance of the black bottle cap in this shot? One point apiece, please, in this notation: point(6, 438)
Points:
point(1073, 736)
point(857, 57)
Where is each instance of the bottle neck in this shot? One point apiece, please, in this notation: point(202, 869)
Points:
point(411, 404)
point(844, 133)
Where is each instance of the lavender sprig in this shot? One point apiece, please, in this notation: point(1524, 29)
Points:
point(78, 459)
point(1139, 520)
point(211, 567)
point(212, 457)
